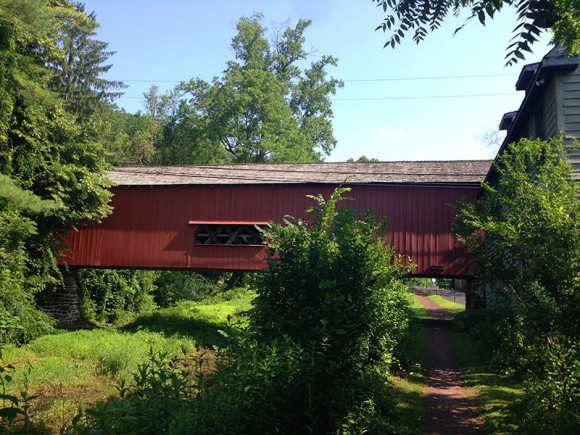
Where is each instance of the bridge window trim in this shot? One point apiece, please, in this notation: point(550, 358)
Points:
point(212, 233)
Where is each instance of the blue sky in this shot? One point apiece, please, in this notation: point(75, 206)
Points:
point(417, 102)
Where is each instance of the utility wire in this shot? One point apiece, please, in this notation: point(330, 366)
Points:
point(426, 97)
point(392, 79)
point(381, 79)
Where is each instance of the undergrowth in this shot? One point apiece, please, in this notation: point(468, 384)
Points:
point(68, 371)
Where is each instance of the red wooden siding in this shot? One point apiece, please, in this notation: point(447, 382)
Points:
point(150, 226)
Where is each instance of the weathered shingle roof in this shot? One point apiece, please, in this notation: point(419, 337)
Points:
point(434, 172)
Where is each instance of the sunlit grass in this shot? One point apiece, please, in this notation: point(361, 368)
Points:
point(69, 370)
point(495, 393)
point(408, 385)
point(407, 412)
point(419, 311)
point(449, 306)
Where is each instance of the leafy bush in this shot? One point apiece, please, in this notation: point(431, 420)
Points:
point(333, 282)
point(20, 320)
point(260, 388)
point(173, 287)
point(530, 257)
point(156, 400)
point(106, 294)
point(333, 287)
point(276, 388)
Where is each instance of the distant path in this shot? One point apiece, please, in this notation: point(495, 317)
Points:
point(456, 296)
point(446, 408)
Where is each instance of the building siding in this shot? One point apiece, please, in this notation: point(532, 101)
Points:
point(570, 94)
point(551, 127)
point(150, 228)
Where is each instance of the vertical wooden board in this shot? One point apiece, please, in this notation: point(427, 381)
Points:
point(149, 226)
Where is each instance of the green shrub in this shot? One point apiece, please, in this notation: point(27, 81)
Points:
point(333, 286)
point(259, 388)
point(20, 320)
point(174, 287)
point(276, 387)
point(530, 257)
point(107, 294)
point(157, 399)
point(334, 282)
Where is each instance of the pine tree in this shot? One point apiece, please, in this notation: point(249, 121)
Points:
point(53, 171)
point(79, 65)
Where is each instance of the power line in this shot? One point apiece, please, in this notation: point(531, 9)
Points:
point(391, 79)
point(380, 79)
point(425, 97)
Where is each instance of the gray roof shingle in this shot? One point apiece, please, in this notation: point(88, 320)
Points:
point(405, 172)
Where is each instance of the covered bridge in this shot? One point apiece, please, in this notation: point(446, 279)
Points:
point(204, 217)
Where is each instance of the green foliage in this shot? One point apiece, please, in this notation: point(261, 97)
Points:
point(276, 387)
point(444, 283)
point(423, 16)
point(19, 320)
point(15, 410)
point(263, 108)
point(363, 159)
point(269, 388)
point(332, 287)
point(130, 139)
point(412, 281)
point(209, 323)
point(78, 63)
point(174, 287)
point(52, 170)
point(107, 293)
point(333, 281)
point(530, 257)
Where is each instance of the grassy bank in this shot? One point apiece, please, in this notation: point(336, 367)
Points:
point(495, 392)
point(449, 306)
point(409, 383)
point(71, 370)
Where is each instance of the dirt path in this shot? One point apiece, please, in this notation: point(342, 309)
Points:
point(447, 410)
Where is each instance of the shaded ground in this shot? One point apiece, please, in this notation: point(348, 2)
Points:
point(447, 408)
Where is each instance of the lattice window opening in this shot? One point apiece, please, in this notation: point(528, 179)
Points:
point(228, 235)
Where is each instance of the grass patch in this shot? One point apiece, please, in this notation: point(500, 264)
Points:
point(495, 393)
point(408, 385)
point(208, 322)
point(449, 306)
point(110, 351)
point(71, 370)
point(419, 311)
point(408, 410)
point(417, 344)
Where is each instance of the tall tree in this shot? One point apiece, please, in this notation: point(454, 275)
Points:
point(79, 63)
point(263, 108)
point(129, 139)
point(534, 17)
point(44, 152)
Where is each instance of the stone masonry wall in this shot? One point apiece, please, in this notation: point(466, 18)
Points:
point(63, 303)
